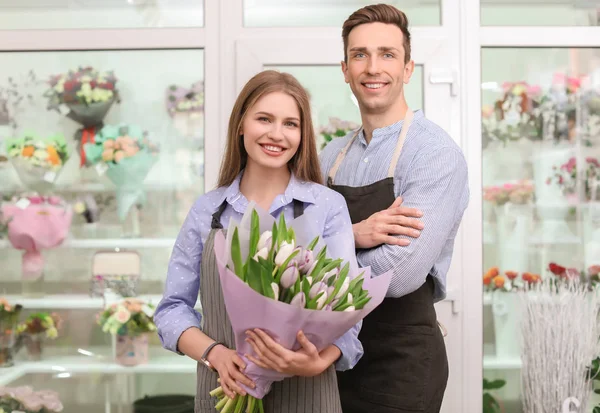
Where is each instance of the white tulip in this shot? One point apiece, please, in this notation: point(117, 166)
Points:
point(263, 253)
point(275, 288)
point(265, 240)
point(285, 250)
point(351, 308)
point(343, 288)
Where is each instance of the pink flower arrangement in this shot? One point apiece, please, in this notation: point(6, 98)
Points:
point(517, 193)
point(566, 177)
point(24, 398)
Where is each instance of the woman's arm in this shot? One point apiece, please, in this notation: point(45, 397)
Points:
point(178, 323)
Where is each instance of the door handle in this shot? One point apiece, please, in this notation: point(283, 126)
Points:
point(445, 75)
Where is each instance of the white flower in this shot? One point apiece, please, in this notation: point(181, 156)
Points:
point(289, 276)
point(285, 250)
point(299, 300)
point(265, 240)
point(349, 298)
point(317, 288)
point(309, 279)
point(321, 300)
point(351, 308)
point(275, 288)
point(263, 253)
point(305, 260)
point(343, 288)
point(122, 315)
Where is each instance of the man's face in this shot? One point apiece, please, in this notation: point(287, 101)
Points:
point(375, 69)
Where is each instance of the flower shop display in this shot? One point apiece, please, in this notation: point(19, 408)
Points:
point(126, 155)
point(505, 306)
point(10, 341)
point(186, 107)
point(565, 177)
point(15, 95)
point(131, 322)
point(38, 161)
point(25, 400)
point(84, 95)
point(35, 329)
point(336, 128)
point(290, 281)
point(560, 334)
point(36, 223)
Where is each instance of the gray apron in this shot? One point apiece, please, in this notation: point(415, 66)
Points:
point(294, 395)
point(404, 367)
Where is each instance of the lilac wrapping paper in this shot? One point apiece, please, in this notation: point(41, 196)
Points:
point(247, 309)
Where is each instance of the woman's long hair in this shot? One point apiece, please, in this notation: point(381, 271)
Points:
point(305, 162)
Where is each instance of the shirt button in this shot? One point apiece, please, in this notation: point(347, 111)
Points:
point(366, 160)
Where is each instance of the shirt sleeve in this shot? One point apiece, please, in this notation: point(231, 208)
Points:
point(437, 184)
point(175, 313)
point(338, 223)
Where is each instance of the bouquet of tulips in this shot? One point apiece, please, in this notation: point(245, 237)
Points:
point(292, 281)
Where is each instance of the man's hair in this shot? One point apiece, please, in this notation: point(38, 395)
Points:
point(377, 13)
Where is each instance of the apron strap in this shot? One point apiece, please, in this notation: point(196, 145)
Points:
point(408, 118)
point(340, 157)
point(216, 217)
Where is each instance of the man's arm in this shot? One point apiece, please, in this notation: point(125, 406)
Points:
point(436, 184)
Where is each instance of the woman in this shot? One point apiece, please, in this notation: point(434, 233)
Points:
point(270, 159)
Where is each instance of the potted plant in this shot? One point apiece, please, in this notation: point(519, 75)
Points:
point(130, 321)
point(490, 403)
point(35, 329)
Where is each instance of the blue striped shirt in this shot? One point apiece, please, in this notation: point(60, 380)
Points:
point(431, 175)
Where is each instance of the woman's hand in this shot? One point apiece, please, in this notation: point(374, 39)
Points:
point(306, 361)
point(230, 367)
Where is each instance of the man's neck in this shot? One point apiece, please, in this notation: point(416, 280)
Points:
point(372, 121)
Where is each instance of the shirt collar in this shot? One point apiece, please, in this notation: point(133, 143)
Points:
point(296, 189)
point(392, 130)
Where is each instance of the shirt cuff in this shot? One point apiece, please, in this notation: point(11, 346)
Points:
point(351, 349)
point(170, 331)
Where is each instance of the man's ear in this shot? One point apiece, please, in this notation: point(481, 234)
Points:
point(345, 71)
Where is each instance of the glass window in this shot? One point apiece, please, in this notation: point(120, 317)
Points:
point(100, 14)
point(308, 13)
point(116, 135)
point(559, 13)
point(332, 102)
point(541, 163)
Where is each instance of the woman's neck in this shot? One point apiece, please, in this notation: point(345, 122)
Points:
point(262, 185)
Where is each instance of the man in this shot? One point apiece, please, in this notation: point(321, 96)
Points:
point(397, 157)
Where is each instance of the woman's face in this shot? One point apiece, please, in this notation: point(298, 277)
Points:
point(271, 131)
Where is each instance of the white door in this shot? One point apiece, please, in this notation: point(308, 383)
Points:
point(315, 61)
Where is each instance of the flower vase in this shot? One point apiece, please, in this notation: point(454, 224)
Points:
point(33, 276)
point(131, 350)
point(489, 228)
point(552, 207)
point(10, 343)
point(34, 345)
point(131, 223)
point(591, 228)
point(514, 227)
point(507, 321)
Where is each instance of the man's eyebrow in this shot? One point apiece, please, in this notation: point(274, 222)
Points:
point(380, 48)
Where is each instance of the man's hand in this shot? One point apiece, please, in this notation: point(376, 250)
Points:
point(381, 227)
point(305, 362)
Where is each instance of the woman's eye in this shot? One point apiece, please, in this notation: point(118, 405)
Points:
point(263, 119)
point(292, 124)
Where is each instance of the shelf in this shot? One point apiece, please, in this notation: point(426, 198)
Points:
point(72, 301)
point(110, 243)
point(501, 363)
point(98, 361)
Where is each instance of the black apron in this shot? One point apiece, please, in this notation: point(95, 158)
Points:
point(404, 367)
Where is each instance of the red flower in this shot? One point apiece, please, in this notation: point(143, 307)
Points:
point(557, 269)
point(594, 270)
point(108, 86)
point(572, 273)
point(511, 275)
point(93, 84)
point(70, 85)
